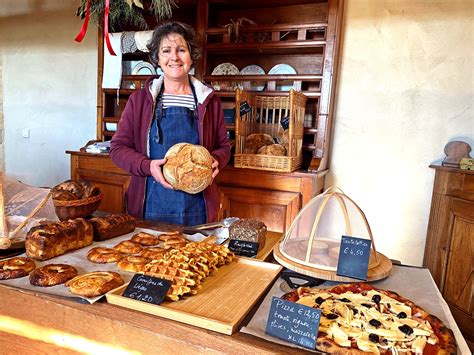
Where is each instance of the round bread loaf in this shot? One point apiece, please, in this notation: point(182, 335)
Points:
point(272, 149)
point(255, 141)
point(188, 167)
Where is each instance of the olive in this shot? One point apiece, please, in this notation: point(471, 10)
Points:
point(406, 329)
point(374, 323)
point(385, 341)
point(355, 311)
point(331, 316)
point(345, 300)
point(376, 298)
point(366, 305)
point(402, 315)
point(373, 338)
point(319, 300)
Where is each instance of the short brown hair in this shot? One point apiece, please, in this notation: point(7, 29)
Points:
point(165, 29)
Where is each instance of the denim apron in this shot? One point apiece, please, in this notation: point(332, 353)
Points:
point(171, 126)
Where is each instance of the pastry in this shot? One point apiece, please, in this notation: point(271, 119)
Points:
point(94, 283)
point(128, 247)
point(250, 230)
point(153, 253)
point(145, 239)
point(255, 141)
point(52, 274)
point(101, 255)
point(188, 167)
point(112, 226)
point(272, 149)
point(133, 263)
point(73, 187)
point(15, 267)
point(47, 241)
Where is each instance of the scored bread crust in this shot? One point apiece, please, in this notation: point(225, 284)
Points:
point(188, 167)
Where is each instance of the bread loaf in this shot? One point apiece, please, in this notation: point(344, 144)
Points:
point(250, 230)
point(188, 167)
point(273, 149)
point(255, 141)
point(47, 241)
point(112, 225)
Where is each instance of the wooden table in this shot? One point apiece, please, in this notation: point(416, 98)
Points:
point(39, 323)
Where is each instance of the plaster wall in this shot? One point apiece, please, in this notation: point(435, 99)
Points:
point(49, 88)
point(405, 89)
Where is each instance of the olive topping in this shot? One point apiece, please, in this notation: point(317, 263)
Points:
point(374, 338)
point(402, 315)
point(319, 300)
point(374, 323)
point(376, 298)
point(355, 311)
point(345, 300)
point(367, 305)
point(331, 316)
point(385, 341)
point(406, 329)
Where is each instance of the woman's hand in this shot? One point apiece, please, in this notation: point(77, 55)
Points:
point(155, 168)
point(215, 169)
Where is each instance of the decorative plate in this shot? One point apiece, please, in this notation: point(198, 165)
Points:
point(285, 69)
point(225, 69)
point(143, 68)
point(254, 70)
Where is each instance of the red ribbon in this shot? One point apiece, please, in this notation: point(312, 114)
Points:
point(106, 28)
point(82, 33)
point(80, 36)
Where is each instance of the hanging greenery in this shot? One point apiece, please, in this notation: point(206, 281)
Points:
point(126, 11)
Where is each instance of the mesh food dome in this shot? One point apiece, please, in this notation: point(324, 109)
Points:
point(314, 237)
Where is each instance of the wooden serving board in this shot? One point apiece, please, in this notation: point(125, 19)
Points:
point(224, 300)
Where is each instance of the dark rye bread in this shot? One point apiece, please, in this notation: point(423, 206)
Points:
point(249, 230)
point(112, 225)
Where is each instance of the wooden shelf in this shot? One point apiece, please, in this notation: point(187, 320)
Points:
point(268, 77)
point(309, 94)
point(281, 47)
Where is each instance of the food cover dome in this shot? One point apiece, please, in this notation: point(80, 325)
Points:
point(313, 239)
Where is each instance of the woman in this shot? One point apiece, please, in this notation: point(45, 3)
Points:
point(173, 108)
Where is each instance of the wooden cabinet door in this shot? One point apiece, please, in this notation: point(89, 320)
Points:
point(459, 285)
point(277, 209)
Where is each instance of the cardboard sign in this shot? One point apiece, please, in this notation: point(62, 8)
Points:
point(293, 322)
point(354, 257)
point(244, 248)
point(147, 289)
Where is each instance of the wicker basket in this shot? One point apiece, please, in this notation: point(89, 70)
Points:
point(77, 208)
point(265, 116)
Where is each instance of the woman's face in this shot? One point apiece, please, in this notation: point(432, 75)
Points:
point(174, 57)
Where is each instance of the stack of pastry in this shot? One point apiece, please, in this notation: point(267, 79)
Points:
point(188, 266)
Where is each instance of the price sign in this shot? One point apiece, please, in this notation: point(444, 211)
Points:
point(147, 289)
point(244, 248)
point(293, 322)
point(354, 257)
point(244, 108)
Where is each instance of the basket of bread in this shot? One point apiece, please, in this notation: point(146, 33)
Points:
point(75, 199)
point(269, 131)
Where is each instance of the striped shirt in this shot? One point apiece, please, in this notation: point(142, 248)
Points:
point(170, 100)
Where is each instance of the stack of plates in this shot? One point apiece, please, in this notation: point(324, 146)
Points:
point(225, 69)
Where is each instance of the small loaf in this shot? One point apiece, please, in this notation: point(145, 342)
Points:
point(47, 241)
point(112, 225)
point(250, 230)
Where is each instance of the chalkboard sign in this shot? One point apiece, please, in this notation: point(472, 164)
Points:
point(285, 122)
point(147, 289)
point(293, 322)
point(354, 257)
point(244, 108)
point(244, 248)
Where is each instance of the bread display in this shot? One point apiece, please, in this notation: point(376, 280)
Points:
point(52, 274)
point(255, 141)
point(112, 226)
point(188, 167)
point(273, 149)
point(250, 230)
point(95, 283)
point(70, 190)
point(44, 242)
point(15, 267)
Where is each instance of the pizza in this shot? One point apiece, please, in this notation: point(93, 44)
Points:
point(358, 318)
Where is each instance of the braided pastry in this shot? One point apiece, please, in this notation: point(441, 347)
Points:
point(94, 283)
point(101, 255)
point(133, 263)
point(145, 239)
point(15, 267)
point(52, 274)
point(128, 247)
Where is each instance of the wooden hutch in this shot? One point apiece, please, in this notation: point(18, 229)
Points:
point(301, 33)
